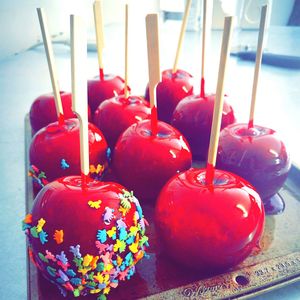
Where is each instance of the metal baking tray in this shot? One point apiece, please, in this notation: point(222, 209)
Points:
point(277, 263)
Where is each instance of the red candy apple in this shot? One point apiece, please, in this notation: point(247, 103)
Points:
point(144, 162)
point(115, 115)
point(256, 154)
point(172, 88)
point(209, 227)
point(54, 106)
point(193, 118)
point(43, 110)
point(101, 89)
point(85, 239)
point(105, 86)
point(193, 115)
point(54, 149)
point(175, 84)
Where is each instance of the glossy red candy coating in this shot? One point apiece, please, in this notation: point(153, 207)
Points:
point(64, 205)
point(144, 163)
point(193, 118)
point(43, 111)
point(256, 154)
point(54, 143)
point(80, 213)
point(115, 115)
point(100, 90)
point(170, 91)
point(209, 227)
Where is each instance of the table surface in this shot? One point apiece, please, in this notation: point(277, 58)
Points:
point(25, 76)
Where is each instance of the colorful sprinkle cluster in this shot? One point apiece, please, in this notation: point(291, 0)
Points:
point(119, 249)
point(39, 177)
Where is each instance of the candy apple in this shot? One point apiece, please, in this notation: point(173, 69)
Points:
point(115, 115)
point(85, 238)
point(102, 89)
point(43, 111)
point(54, 149)
point(256, 154)
point(209, 227)
point(193, 118)
point(144, 162)
point(173, 88)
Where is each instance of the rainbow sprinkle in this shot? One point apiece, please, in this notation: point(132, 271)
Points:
point(97, 172)
point(58, 236)
point(64, 165)
point(39, 178)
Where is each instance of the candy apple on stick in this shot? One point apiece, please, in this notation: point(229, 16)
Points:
point(85, 236)
point(176, 84)
point(115, 115)
point(107, 85)
point(49, 108)
point(210, 219)
point(255, 152)
point(54, 149)
point(193, 115)
point(150, 152)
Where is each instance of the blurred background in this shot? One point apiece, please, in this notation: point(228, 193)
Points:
point(20, 29)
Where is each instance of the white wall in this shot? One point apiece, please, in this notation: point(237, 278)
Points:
point(249, 11)
point(19, 23)
point(19, 27)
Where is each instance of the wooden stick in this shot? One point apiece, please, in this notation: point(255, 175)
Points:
point(218, 106)
point(126, 92)
point(99, 34)
point(206, 27)
point(153, 65)
point(182, 32)
point(259, 52)
point(79, 87)
point(51, 64)
point(204, 21)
